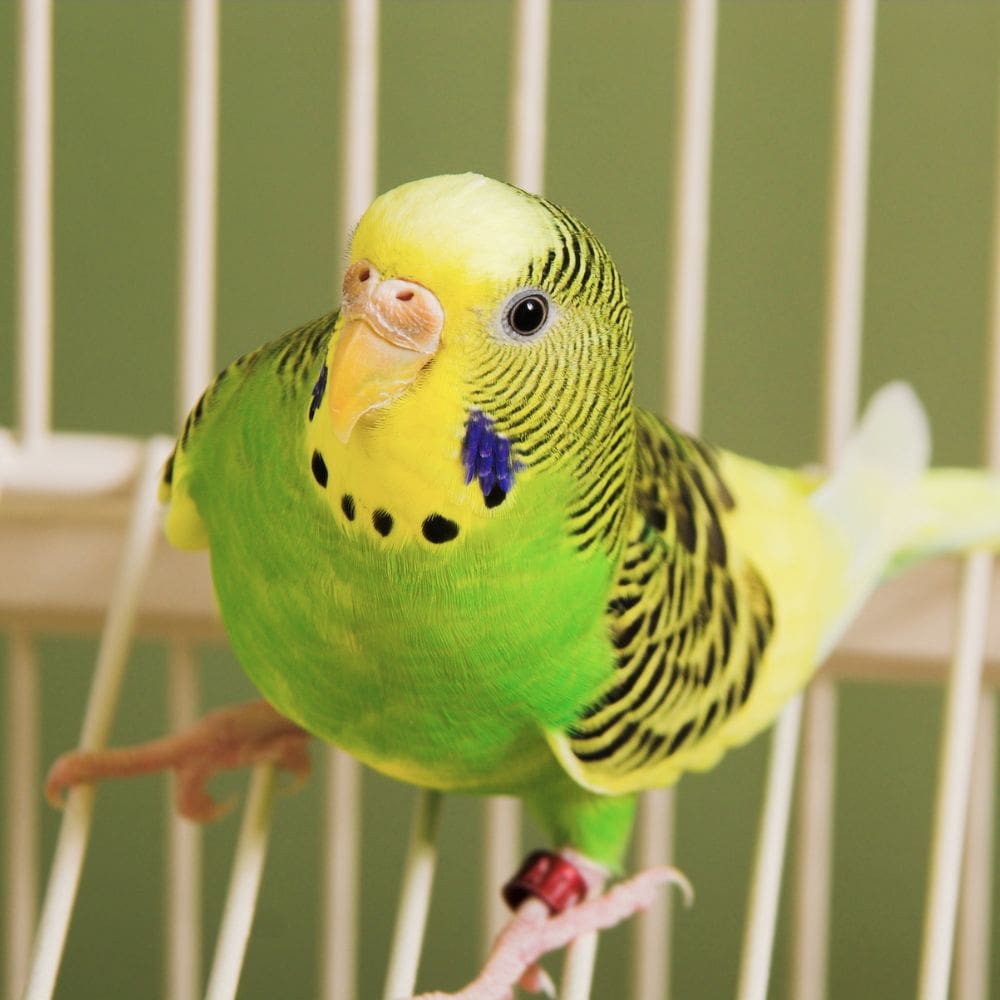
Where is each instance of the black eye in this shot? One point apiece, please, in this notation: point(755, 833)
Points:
point(527, 315)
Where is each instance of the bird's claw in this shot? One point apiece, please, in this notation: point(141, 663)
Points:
point(231, 737)
point(536, 980)
point(532, 933)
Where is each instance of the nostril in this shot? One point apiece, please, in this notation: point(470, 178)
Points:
point(405, 295)
point(364, 275)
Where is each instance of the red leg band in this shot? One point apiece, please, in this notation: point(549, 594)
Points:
point(549, 877)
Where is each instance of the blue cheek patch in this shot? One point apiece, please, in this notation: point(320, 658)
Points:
point(486, 457)
point(319, 389)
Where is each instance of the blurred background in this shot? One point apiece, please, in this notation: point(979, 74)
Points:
point(443, 107)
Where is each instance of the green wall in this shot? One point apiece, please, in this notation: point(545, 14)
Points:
point(443, 107)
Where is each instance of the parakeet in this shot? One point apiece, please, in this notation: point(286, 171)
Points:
point(445, 539)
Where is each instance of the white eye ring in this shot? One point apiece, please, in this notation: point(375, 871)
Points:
point(526, 315)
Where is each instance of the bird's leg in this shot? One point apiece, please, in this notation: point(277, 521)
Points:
point(557, 898)
point(231, 737)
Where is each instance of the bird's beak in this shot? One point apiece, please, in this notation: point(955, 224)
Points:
point(391, 329)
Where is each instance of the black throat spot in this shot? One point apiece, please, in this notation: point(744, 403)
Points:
point(438, 529)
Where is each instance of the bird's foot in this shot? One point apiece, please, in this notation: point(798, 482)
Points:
point(559, 898)
point(231, 737)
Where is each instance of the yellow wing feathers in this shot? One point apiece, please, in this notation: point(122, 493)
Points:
point(738, 579)
point(183, 526)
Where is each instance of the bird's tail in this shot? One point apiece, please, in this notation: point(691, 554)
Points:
point(892, 510)
point(961, 511)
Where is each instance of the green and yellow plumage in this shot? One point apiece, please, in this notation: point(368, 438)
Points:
point(633, 605)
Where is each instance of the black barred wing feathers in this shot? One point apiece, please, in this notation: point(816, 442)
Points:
point(689, 621)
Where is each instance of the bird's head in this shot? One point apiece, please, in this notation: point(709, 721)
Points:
point(470, 302)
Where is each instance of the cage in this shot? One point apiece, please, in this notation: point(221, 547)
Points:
point(773, 178)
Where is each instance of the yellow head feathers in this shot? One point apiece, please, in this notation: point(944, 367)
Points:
point(452, 232)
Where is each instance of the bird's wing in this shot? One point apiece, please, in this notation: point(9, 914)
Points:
point(690, 618)
point(287, 361)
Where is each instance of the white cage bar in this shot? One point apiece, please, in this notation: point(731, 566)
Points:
point(843, 337)
point(116, 515)
point(196, 337)
point(35, 221)
point(34, 330)
point(21, 842)
point(338, 941)
point(682, 379)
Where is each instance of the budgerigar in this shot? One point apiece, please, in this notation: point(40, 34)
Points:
point(445, 539)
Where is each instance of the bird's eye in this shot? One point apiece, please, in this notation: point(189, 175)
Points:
point(527, 314)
